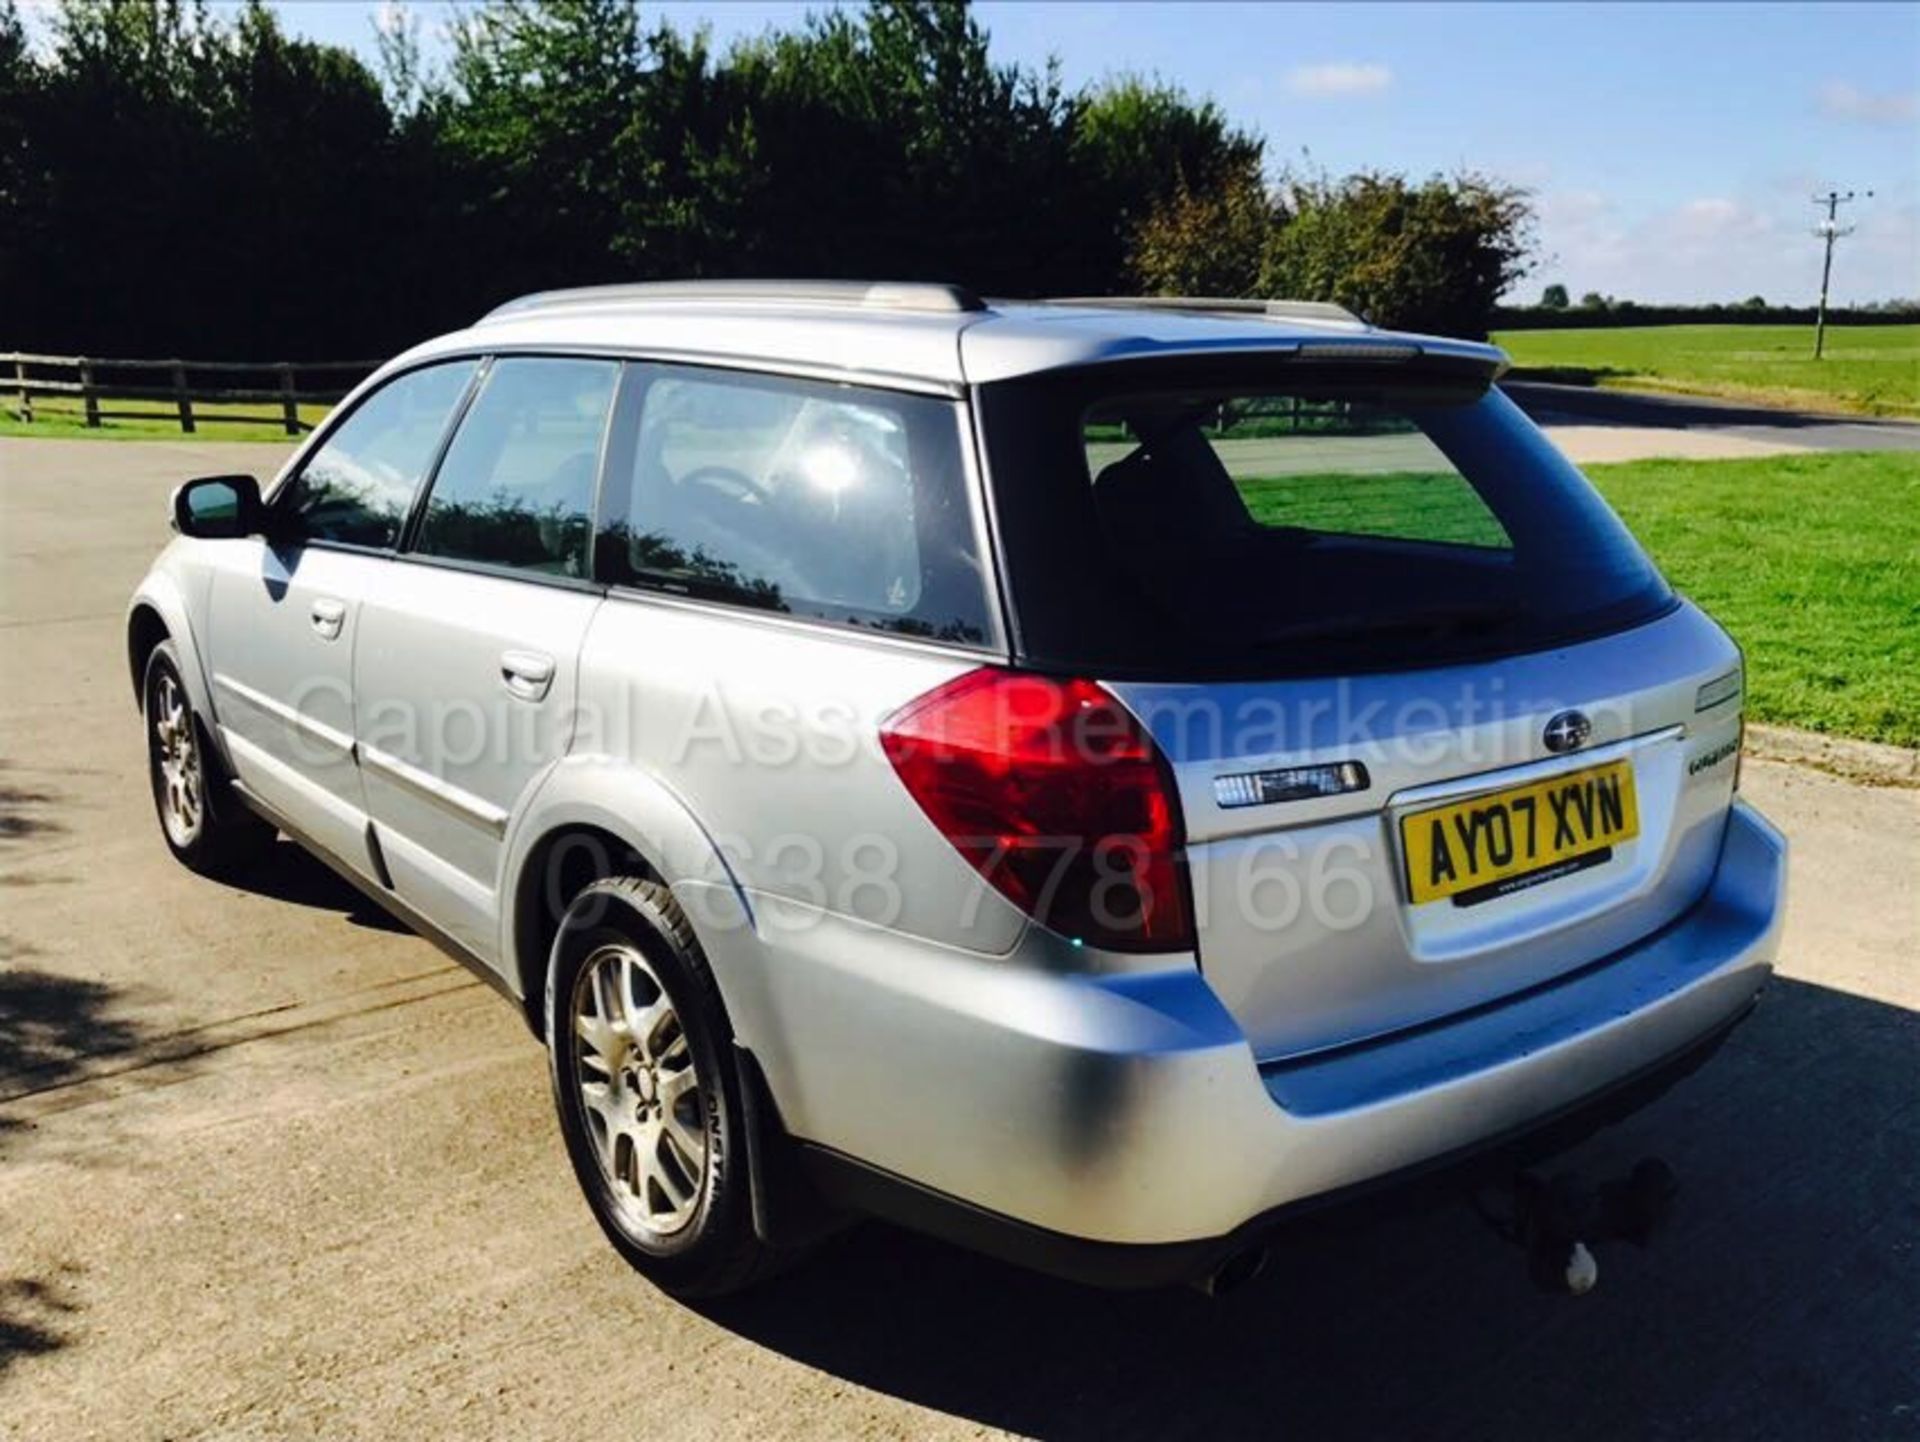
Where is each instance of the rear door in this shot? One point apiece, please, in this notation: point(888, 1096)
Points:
point(466, 674)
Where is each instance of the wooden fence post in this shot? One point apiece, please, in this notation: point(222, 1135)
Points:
point(89, 397)
point(180, 391)
point(26, 396)
point(289, 408)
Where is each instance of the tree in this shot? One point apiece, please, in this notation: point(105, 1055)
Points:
point(1593, 300)
point(179, 178)
point(1431, 256)
point(23, 182)
point(891, 144)
point(540, 102)
point(1554, 297)
point(1207, 243)
point(1141, 145)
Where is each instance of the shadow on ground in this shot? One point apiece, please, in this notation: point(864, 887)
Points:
point(286, 872)
point(33, 1316)
point(1782, 1302)
point(24, 810)
point(54, 1027)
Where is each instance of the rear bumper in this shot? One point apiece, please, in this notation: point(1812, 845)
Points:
point(1143, 1140)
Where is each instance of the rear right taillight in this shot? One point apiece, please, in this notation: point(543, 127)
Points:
point(1058, 797)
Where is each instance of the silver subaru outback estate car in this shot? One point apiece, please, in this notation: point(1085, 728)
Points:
point(1087, 779)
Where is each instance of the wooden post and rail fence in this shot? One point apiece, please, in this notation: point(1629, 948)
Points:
point(90, 387)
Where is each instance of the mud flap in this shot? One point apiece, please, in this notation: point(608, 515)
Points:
point(788, 1210)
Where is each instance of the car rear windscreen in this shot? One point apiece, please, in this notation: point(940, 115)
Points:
point(1241, 521)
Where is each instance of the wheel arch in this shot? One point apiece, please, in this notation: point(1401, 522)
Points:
point(146, 629)
point(591, 819)
point(158, 612)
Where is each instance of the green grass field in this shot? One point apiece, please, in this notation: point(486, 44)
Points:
point(59, 417)
point(1869, 370)
point(1812, 562)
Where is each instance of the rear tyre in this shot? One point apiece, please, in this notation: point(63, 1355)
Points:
point(205, 825)
point(649, 1097)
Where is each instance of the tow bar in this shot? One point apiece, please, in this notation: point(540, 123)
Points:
point(1558, 1221)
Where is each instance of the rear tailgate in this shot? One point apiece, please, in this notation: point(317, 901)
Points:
point(1326, 920)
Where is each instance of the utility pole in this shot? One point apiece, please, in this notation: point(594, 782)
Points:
point(1831, 230)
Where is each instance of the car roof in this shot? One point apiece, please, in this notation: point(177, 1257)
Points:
point(933, 335)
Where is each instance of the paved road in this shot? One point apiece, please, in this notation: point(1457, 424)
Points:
point(272, 1168)
point(1556, 405)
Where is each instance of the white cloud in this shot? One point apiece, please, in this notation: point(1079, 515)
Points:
point(1714, 220)
point(1572, 208)
point(1338, 78)
point(1719, 247)
point(1848, 102)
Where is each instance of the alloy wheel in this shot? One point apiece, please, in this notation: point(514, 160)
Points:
point(639, 1090)
point(177, 763)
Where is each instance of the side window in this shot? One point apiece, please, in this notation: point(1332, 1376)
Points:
point(516, 487)
point(836, 502)
point(358, 486)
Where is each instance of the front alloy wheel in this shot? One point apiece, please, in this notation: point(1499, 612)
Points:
point(178, 790)
point(205, 825)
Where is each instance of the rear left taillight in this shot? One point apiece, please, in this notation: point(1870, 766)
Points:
point(1055, 794)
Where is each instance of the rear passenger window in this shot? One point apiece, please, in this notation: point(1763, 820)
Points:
point(358, 487)
point(835, 502)
point(516, 487)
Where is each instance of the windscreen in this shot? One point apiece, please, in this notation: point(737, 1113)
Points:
point(1254, 524)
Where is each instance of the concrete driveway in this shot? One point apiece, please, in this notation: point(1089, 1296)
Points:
point(271, 1168)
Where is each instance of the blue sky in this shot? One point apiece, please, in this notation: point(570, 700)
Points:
point(1672, 148)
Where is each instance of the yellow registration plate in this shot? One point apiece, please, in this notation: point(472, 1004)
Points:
point(1503, 842)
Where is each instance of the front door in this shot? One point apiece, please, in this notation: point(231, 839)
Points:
point(283, 614)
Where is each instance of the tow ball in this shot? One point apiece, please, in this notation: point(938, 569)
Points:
point(1558, 1221)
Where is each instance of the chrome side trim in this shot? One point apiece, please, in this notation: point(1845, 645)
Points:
point(1482, 783)
point(450, 798)
point(280, 711)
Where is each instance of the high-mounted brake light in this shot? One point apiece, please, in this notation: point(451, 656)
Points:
point(1058, 797)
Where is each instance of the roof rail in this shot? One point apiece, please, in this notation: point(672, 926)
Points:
point(925, 296)
point(1308, 310)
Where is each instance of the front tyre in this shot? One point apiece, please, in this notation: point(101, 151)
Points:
point(649, 1099)
point(204, 824)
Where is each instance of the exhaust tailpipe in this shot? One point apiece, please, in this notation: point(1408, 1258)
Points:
point(1234, 1273)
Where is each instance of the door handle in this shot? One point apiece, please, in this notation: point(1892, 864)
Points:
point(327, 616)
point(527, 674)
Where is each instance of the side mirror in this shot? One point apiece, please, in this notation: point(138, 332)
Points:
point(216, 508)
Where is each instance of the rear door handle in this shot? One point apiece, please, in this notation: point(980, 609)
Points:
point(328, 616)
point(527, 674)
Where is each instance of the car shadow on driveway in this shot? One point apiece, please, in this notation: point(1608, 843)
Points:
point(287, 872)
point(1781, 1301)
